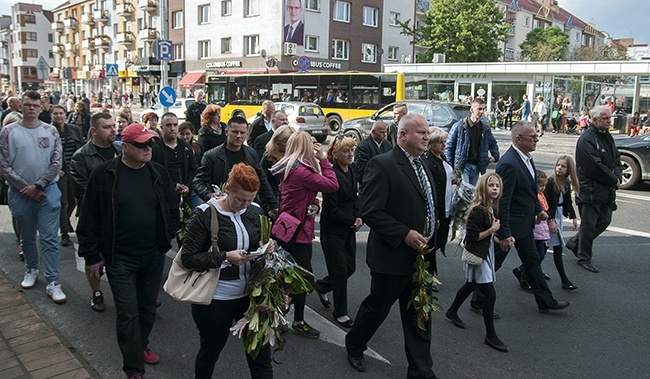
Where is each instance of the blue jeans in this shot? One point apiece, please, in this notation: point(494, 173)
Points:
point(470, 174)
point(42, 217)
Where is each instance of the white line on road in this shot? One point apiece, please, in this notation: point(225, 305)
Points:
point(632, 196)
point(628, 231)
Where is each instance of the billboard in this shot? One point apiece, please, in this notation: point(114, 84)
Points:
point(294, 22)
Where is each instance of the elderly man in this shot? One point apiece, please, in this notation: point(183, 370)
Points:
point(195, 110)
point(468, 144)
point(396, 203)
point(129, 232)
point(399, 111)
point(262, 123)
point(371, 146)
point(13, 105)
point(598, 163)
point(278, 119)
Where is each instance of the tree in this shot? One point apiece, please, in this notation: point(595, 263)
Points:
point(464, 30)
point(548, 44)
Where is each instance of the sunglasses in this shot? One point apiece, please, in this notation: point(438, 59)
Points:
point(141, 145)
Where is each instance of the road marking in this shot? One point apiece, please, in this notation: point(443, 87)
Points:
point(632, 196)
point(628, 231)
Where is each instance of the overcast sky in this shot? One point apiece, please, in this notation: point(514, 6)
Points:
point(620, 18)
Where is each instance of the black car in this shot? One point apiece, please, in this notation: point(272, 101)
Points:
point(635, 157)
point(437, 113)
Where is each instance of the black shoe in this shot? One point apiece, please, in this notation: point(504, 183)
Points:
point(556, 307)
point(456, 320)
point(497, 345)
point(97, 302)
point(569, 286)
point(358, 364)
point(546, 276)
point(346, 324)
point(303, 329)
point(479, 311)
point(589, 267)
point(574, 249)
point(65, 239)
point(517, 273)
point(324, 300)
point(525, 287)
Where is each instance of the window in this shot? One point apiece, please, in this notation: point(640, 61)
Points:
point(204, 49)
point(251, 7)
point(393, 53)
point(50, 37)
point(251, 45)
point(311, 43)
point(369, 52)
point(177, 20)
point(370, 16)
point(340, 49)
point(577, 37)
point(29, 18)
point(341, 11)
point(535, 24)
point(526, 21)
point(204, 14)
point(226, 45)
point(312, 5)
point(177, 51)
point(226, 7)
point(394, 17)
point(30, 53)
point(31, 36)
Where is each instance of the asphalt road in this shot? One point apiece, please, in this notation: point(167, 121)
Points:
point(602, 335)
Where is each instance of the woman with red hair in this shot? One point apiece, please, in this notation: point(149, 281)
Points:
point(213, 131)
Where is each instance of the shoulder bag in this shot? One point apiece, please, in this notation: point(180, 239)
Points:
point(469, 258)
point(194, 287)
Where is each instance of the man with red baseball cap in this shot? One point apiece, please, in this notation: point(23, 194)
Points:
point(128, 217)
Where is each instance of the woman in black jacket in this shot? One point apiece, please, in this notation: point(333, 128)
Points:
point(239, 232)
point(339, 223)
point(80, 118)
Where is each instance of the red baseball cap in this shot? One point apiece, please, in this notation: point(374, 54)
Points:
point(137, 132)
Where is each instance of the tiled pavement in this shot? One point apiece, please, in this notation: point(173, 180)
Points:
point(29, 348)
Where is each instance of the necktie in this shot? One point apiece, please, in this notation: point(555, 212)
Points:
point(422, 177)
point(290, 34)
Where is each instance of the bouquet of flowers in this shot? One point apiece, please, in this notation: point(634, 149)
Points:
point(460, 204)
point(274, 276)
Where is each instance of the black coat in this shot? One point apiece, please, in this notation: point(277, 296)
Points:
point(194, 112)
point(261, 141)
point(599, 167)
point(258, 127)
point(553, 197)
point(478, 221)
point(366, 150)
point(340, 208)
point(160, 154)
point(85, 122)
point(209, 138)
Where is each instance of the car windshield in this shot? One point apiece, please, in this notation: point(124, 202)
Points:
point(310, 110)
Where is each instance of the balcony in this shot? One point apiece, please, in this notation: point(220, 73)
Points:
point(71, 47)
point(125, 38)
point(57, 26)
point(102, 42)
point(125, 10)
point(512, 30)
point(101, 15)
point(70, 23)
point(88, 19)
point(58, 48)
point(422, 6)
point(147, 35)
point(149, 6)
point(88, 44)
point(509, 54)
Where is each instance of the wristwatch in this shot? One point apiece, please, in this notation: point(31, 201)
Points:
point(38, 187)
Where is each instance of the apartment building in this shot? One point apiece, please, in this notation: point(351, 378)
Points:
point(5, 55)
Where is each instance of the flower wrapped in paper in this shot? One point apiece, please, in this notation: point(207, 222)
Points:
point(460, 204)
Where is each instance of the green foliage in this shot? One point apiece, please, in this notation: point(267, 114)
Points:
point(549, 44)
point(464, 30)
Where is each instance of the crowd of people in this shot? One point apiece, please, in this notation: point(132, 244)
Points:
point(399, 181)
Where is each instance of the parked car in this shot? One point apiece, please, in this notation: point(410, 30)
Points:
point(306, 117)
point(635, 157)
point(179, 108)
point(437, 113)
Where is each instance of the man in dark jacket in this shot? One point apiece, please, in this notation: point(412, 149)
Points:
point(598, 163)
point(195, 110)
point(99, 149)
point(375, 144)
point(278, 119)
point(262, 124)
point(217, 163)
point(128, 217)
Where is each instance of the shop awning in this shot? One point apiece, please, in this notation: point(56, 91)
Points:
point(191, 79)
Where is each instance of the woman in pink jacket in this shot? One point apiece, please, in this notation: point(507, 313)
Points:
point(304, 171)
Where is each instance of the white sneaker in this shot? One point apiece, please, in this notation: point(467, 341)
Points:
point(53, 290)
point(30, 278)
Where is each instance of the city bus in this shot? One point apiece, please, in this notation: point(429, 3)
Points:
point(342, 95)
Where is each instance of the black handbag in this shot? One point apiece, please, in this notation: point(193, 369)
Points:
point(4, 193)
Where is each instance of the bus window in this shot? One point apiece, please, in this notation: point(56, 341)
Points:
point(335, 89)
point(416, 86)
point(388, 89)
point(281, 88)
point(258, 88)
point(365, 92)
point(307, 88)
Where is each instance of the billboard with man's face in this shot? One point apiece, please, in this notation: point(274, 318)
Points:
point(294, 22)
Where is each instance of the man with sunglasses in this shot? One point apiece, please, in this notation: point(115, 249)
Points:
point(128, 217)
point(30, 161)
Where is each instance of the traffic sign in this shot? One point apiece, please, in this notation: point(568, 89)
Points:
point(42, 69)
point(111, 70)
point(164, 50)
point(167, 96)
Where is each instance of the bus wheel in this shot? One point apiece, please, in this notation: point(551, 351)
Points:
point(334, 123)
point(353, 134)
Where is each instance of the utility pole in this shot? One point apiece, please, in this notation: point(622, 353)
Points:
point(164, 34)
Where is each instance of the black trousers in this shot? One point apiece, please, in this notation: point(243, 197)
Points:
point(68, 202)
point(529, 256)
point(594, 219)
point(340, 257)
point(301, 253)
point(213, 322)
point(385, 289)
point(134, 281)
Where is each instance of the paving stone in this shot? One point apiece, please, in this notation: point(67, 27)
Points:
point(57, 369)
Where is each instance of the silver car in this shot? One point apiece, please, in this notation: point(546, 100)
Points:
point(305, 117)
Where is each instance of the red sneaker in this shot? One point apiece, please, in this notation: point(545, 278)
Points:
point(150, 357)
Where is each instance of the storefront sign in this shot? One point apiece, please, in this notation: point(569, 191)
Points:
point(226, 64)
point(459, 76)
point(325, 65)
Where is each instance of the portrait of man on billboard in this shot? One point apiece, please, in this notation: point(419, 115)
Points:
point(294, 28)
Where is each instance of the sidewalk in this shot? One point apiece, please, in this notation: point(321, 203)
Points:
point(28, 346)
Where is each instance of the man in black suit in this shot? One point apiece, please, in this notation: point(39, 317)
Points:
point(294, 31)
point(373, 145)
point(397, 203)
point(518, 211)
point(278, 119)
point(262, 123)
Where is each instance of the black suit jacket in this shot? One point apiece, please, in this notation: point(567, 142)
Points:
point(392, 204)
point(340, 208)
point(298, 34)
point(257, 128)
point(519, 204)
point(260, 142)
point(366, 150)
